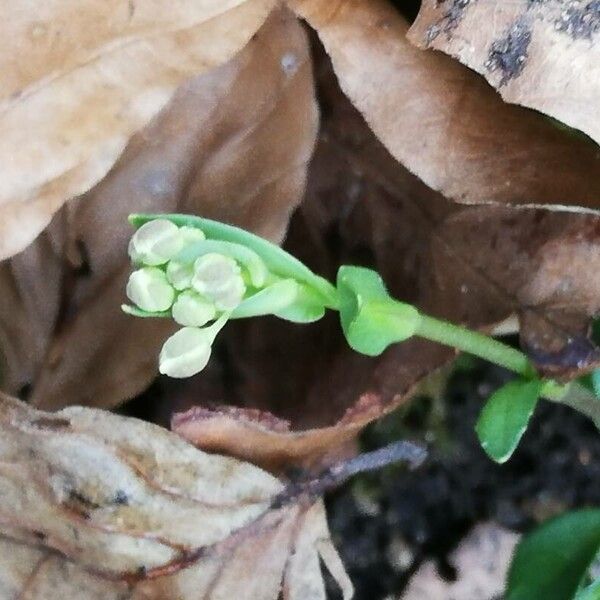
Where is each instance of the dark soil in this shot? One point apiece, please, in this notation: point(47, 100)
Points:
point(426, 513)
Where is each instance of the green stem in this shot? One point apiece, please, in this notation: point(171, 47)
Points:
point(485, 347)
point(475, 343)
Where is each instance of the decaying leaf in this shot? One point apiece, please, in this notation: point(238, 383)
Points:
point(442, 121)
point(267, 440)
point(514, 264)
point(88, 75)
point(95, 503)
point(545, 55)
point(232, 145)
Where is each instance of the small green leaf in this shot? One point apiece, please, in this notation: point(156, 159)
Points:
point(504, 418)
point(550, 562)
point(371, 318)
point(277, 260)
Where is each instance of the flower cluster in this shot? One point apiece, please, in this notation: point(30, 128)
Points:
point(181, 274)
point(200, 273)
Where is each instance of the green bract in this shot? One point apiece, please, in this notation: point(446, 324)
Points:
point(371, 318)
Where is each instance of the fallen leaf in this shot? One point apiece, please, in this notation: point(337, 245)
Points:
point(232, 145)
point(442, 121)
point(30, 573)
point(268, 441)
point(113, 505)
point(513, 262)
point(89, 76)
point(544, 55)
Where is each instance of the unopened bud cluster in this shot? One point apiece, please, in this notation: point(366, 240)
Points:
point(195, 288)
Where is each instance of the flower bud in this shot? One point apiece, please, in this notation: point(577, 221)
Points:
point(180, 274)
point(219, 279)
point(191, 310)
point(230, 295)
point(190, 235)
point(156, 242)
point(186, 352)
point(149, 289)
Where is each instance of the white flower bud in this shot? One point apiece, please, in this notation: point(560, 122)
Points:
point(191, 235)
point(180, 274)
point(230, 295)
point(186, 352)
point(219, 279)
point(191, 310)
point(149, 289)
point(156, 242)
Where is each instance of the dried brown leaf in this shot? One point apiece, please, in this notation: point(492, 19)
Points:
point(89, 75)
point(232, 145)
point(544, 55)
point(443, 121)
point(268, 441)
point(97, 503)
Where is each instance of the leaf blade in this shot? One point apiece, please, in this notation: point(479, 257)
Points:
point(504, 418)
point(550, 562)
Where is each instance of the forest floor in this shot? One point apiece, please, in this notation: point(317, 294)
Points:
point(388, 524)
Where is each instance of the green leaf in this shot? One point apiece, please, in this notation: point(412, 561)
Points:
point(277, 260)
point(591, 592)
point(371, 318)
point(550, 562)
point(504, 418)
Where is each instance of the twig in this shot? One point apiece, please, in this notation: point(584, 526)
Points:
point(407, 452)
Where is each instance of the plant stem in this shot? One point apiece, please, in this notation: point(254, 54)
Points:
point(485, 347)
point(475, 343)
